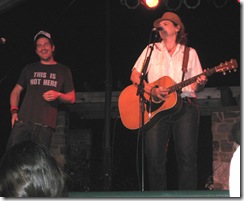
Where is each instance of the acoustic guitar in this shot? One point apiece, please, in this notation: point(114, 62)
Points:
point(129, 103)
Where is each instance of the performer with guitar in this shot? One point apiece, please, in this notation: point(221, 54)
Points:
point(167, 60)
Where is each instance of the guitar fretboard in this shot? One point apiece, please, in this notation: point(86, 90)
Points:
point(232, 64)
point(190, 81)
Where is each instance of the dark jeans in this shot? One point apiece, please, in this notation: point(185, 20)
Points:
point(184, 127)
point(23, 131)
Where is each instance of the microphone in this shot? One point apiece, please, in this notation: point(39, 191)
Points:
point(158, 29)
point(2, 41)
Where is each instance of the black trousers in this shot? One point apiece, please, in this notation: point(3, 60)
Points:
point(184, 128)
point(23, 131)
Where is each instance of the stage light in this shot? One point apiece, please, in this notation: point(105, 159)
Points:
point(133, 4)
point(192, 4)
point(173, 5)
point(150, 3)
point(220, 3)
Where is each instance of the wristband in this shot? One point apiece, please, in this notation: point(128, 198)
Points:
point(13, 111)
point(14, 108)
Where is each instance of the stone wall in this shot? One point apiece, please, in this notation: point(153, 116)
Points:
point(71, 149)
point(224, 146)
point(58, 144)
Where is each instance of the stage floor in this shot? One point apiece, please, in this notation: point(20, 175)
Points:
point(152, 194)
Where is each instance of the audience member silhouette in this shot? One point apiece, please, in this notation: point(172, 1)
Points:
point(28, 170)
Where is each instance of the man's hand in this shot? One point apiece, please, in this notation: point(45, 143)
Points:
point(14, 118)
point(51, 95)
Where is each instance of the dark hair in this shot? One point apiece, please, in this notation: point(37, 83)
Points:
point(181, 36)
point(28, 170)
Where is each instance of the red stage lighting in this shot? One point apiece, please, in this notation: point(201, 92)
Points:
point(150, 3)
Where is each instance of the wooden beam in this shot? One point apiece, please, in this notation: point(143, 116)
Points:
point(91, 105)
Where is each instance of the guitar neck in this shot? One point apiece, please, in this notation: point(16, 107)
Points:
point(190, 80)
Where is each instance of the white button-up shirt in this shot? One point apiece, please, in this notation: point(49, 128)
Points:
point(162, 64)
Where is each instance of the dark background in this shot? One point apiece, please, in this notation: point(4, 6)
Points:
point(91, 37)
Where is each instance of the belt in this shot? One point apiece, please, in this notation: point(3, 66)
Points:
point(188, 99)
point(38, 124)
point(44, 126)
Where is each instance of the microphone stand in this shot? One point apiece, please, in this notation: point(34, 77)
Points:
point(143, 102)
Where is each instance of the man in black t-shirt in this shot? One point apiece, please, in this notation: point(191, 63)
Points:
point(46, 83)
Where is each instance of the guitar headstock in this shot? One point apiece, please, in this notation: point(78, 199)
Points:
point(227, 66)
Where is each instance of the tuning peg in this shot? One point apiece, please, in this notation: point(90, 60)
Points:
point(224, 73)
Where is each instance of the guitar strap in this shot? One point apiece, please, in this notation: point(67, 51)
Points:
point(185, 61)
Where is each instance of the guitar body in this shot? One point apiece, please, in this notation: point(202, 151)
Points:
point(129, 105)
point(129, 102)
